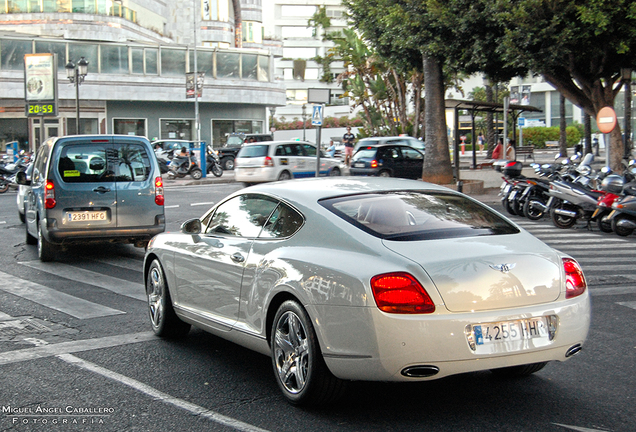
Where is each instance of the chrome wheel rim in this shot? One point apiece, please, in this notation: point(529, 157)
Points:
point(155, 296)
point(291, 352)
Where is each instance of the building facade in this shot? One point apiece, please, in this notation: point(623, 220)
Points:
point(138, 55)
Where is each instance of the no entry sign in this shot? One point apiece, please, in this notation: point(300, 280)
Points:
point(606, 119)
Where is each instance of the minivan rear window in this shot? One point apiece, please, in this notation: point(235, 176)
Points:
point(253, 151)
point(418, 215)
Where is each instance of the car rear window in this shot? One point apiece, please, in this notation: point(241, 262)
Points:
point(253, 151)
point(418, 215)
point(365, 153)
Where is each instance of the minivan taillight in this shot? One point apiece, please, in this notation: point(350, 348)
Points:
point(269, 162)
point(159, 199)
point(575, 284)
point(49, 195)
point(401, 293)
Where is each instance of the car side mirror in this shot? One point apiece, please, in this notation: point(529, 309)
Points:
point(192, 226)
point(21, 179)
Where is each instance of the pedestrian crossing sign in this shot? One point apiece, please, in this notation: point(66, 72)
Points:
point(316, 118)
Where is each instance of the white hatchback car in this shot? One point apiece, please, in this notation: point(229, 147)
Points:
point(281, 160)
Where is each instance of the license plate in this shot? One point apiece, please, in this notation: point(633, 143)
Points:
point(512, 195)
point(86, 216)
point(358, 165)
point(508, 331)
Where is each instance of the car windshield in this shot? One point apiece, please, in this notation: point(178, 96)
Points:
point(253, 151)
point(234, 140)
point(418, 215)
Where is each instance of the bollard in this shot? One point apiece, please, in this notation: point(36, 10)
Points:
point(460, 186)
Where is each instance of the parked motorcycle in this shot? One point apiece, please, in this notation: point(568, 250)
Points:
point(622, 217)
point(213, 163)
point(182, 166)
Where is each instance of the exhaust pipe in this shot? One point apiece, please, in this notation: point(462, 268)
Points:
point(538, 205)
point(421, 371)
point(626, 223)
point(573, 350)
point(567, 213)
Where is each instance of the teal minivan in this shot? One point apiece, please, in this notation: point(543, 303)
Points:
point(88, 188)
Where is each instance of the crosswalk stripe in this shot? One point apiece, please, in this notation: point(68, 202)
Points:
point(123, 262)
point(116, 285)
point(584, 241)
point(586, 247)
point(596, 260)
point(611, 267)
point(629, 304)
point(59, 301)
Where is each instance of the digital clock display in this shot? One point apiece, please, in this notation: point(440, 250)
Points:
point(41, 109)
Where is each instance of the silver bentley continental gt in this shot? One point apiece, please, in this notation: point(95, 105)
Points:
point(380, 279)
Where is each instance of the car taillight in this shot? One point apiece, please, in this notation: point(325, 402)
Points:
point(269, 162)
point(575, 284)
point(159, 199)
point(374, 163)
point(49, 195)
point(400, 293)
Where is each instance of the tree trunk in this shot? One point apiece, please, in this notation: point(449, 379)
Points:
point(563, 144)
point(437, 165)
point(417, 91)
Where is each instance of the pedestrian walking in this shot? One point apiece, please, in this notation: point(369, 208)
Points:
point(348, 140)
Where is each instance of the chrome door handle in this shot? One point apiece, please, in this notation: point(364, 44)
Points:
point(101, 189)
point(237, 257)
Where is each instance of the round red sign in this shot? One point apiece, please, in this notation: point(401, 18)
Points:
point(606, 119)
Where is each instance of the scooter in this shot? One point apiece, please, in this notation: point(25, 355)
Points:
point(622, 218)
point(213, 163)
point(182, 166)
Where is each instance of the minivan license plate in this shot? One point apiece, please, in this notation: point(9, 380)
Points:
point(86, 216)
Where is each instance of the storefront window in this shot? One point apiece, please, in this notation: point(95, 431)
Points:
point(221, 129)
point(87, 126)
point(177, 129)
point(129, 126)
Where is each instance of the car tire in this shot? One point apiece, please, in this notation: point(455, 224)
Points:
point(299, 368)
point(335, 172)
point(163, 319)
point(384, 173)
point(228, 163)
point(604, 226)
point(621, 231)
point(519, 371)
point(22, 217)
point(285, 175)
point(46, 251)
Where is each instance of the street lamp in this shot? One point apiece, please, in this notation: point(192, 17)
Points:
point(76, 75)
point(304, 115)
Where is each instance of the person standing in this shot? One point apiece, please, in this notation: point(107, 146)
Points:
point(480, 141)
point(348, 139)
point(331, 150)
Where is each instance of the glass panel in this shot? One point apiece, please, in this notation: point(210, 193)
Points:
point(87, 126)
point(151, 61)
point(55, 6)
point(284, 222)
point(227, 65)
point(177, 129)
point(114, 59)
point(12, 54)
point(204, 62)
point(16, 6)
point(82, 163)
point(242, 216)
point(130, 126)
point(249, 66)
point(263, 68)
point(209, 10)
point(134, 163)
point(137, 55)
point(243, 126)
point(221, 129)
point(84, 6)
point(88, 51)
point(58, 48)
point(173, 62)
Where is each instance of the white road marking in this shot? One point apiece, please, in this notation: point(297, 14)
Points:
point(161, 396)
point(120, 286)
point(171, 206)
point(202, 204)
point(3, 222)
point(579, 428)
point(123, 262)
point(50, 298)
point(4, 316)
point(629, 289)
point(629, 304)
point(39, 352)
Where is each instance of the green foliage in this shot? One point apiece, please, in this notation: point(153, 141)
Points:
point(537, 136)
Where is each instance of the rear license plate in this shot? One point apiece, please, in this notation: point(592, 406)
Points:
point(358, 165)
point(86, 216)
point(508, 331)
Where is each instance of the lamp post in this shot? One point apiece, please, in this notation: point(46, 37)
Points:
point(304, 115)
point(76, 75)
point(626, 74)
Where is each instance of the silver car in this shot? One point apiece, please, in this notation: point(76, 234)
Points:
point(92, 188)
point(376, 279)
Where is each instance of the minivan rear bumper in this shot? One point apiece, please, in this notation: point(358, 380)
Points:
point(118, 235)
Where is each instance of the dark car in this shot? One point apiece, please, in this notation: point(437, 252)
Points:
point(386, 160)
point(228, 152)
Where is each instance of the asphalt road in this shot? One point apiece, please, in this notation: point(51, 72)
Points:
point(77, 353)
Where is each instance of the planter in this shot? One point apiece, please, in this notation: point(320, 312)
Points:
point(469, 187)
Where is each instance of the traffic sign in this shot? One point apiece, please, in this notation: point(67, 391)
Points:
point(316, 117)
point(522, 121)
point(606, 119)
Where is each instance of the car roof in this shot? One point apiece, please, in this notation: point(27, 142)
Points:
point(307, 192)
point(277, 143)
